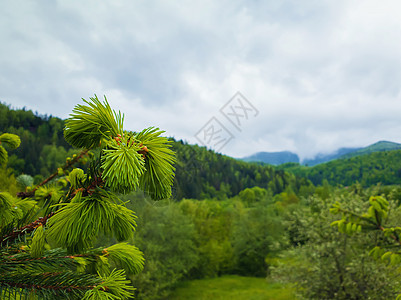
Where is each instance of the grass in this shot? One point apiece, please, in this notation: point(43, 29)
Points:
point(232, 287)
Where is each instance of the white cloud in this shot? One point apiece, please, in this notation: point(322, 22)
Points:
point(322, 74)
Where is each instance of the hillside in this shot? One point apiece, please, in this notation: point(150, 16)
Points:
point(368, 169)
point(200, 173)
point(42, 140)
point(376, 147)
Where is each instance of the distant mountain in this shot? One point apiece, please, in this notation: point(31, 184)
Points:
point(368, 169)
point(278, 158)
point(273, 158)
point(376, 147)
point(322, 158)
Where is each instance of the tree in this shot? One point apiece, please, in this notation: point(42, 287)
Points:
point(167, 238)
point(327, 264)
point(47, 232)
point(257, 234)
point(381, 218)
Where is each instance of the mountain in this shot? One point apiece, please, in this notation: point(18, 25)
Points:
point(376, 147)
point(322, 158)
point(352, 152)
point(273, 158)
point(202, 173)
point(368, 169)
point(283, 157)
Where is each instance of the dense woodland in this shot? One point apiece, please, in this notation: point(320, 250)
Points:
point(368, 169)
point(232, 217)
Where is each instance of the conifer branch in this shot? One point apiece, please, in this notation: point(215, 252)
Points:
point(52, 283)
point(127, 161)
point(67, 165)
point(17, 233)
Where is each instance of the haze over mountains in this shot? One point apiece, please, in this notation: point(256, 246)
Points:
point(278, 158)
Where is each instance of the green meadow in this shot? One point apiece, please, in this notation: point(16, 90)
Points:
point(232, 287)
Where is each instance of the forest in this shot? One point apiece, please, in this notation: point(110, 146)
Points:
point(331, 231)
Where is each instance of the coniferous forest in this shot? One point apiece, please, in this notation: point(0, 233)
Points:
point(92, 210)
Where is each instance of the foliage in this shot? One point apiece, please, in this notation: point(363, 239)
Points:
point(369, 169)
point(196, 239)
point(53, 256)
point(8, 182)
point(160, 176)
point(381, 217)
point(212, 221)
point(11, 141)
point(257, 233)
point(204, 174)
point(24, 181)
point(166, 237)
point(326, 264)
point(89, 124)
point(53, 157)
point(35, 132)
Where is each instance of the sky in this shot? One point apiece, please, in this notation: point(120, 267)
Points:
point(236, 76)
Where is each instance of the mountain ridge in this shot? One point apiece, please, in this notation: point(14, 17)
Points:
point(282, 157)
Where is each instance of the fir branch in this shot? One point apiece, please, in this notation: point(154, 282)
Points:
point(27, 263)
point(11, 140)
point(126, 256)
point(122, 165)
point(3, 156)
point(67, 165)
point(38, 242)
point(159, 163)
point(89, 124)
point(51, 284)
point(54, 259)
point(114, 286)
point(85, 219)
point(17, 233)
point(127, 161)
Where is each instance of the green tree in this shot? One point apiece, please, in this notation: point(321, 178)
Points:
point(257, 232)
point(378, 222)
point(212, 220)
point(167, 238)
point(327, 264)
point(47, 233)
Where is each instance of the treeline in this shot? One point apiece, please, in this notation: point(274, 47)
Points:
point(200, 173)
point(369, 169)
point(43, 147)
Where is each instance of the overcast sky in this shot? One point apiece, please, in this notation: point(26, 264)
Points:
point(315, 75)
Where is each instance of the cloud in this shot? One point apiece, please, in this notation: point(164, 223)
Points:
point(322, 74)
